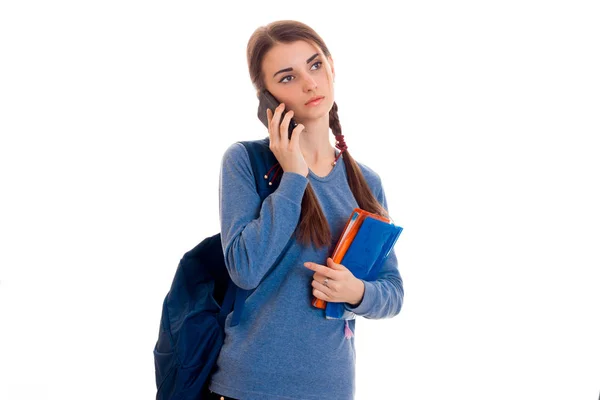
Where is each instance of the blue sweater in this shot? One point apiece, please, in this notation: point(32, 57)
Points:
point(283, 347)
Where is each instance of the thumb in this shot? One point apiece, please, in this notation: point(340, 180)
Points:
point(333, 265)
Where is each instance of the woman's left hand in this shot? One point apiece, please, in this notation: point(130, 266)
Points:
point(335, 283)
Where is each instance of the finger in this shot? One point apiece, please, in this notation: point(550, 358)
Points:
point(320, 295)
point(269, 119)
point(295, 142)
point(285, 124)
point(274, 131)
point(280, 112)
point(277, 116)
point(321, 269)
point(328, 290)
point(318, 277)
point(333, 265)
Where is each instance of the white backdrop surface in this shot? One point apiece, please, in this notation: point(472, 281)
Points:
point(482, 119)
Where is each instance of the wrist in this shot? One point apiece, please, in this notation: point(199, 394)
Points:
point(359, 293)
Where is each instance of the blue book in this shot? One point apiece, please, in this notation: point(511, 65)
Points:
point(365, 257)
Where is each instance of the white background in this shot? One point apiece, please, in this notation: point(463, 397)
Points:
point(482, 119)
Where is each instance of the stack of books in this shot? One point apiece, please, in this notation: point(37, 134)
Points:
point(363, 246)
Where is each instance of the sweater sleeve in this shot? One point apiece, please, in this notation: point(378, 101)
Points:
point(383, 297)
point(253, 235)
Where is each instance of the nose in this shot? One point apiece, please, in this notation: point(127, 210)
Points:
point(309, 83)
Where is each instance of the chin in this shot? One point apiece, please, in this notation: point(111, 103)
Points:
point(315, 115)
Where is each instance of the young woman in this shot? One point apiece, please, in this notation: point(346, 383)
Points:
point(284, 348)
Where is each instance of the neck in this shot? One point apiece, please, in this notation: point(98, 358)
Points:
point(315, 142)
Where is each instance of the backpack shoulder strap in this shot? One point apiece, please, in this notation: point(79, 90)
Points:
point(261, 159)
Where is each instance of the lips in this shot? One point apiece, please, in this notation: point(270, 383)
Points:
point(313, 99)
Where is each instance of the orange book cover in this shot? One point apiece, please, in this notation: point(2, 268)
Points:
point(348, 234)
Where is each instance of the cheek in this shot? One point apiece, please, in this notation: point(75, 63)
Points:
point(328, 75)
point(289, 94)
point(286, 97)
point(328, 81)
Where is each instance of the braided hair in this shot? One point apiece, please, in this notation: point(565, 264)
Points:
point(313, 228)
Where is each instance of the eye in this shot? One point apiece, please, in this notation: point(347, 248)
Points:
point(283, 80)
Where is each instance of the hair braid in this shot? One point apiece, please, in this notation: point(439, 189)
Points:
point(313, 227)
point(356, 180)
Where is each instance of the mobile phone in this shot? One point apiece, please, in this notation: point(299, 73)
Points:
point(267, 100)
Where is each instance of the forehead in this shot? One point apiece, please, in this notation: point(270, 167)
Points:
point(284, 55)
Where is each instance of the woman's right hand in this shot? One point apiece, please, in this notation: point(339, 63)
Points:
point(287, 151)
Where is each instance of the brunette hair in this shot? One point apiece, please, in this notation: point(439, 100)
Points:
point(313, 227)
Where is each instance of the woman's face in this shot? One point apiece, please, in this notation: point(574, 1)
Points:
point(296, 72)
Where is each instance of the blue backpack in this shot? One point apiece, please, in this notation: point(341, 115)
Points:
point(194, 310)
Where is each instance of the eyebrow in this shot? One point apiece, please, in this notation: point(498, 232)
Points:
point(291, 69)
